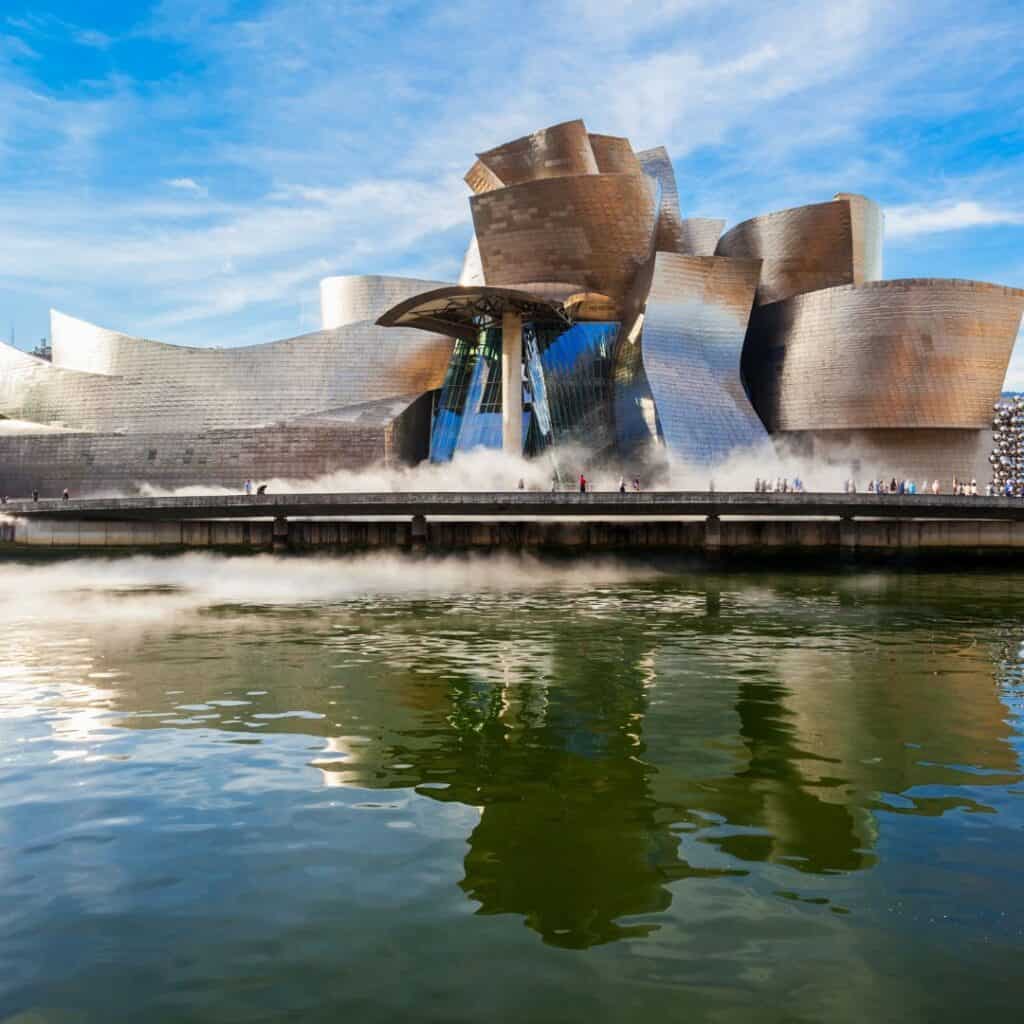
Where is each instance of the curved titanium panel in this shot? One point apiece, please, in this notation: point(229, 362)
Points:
point(614, 155)
point(699, 235)
point(351, 298)
point(553, 152)
point(34, 390)
point(868, 226)
point(804, 249)
point(162, 387)
point(657, 165)
point(697, 312)
point(595, 229)
point(887, 354)
point(481, 178)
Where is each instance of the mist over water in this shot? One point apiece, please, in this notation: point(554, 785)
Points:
point(387, 788)
point(150, 588)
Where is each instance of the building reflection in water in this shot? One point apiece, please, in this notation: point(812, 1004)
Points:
point(614, 746)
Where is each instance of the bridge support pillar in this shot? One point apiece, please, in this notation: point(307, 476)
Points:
point(712, 536)
point(418, 533)
point(847, 538)
point(281, 533)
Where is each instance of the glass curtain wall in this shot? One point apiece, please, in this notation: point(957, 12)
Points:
point(571, 375)
point(567, 389)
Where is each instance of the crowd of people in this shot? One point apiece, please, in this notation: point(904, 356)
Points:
point(780, 485)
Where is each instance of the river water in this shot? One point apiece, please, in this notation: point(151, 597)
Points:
point(375, 789)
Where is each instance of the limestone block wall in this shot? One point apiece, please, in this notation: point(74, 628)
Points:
point(101, 464)
point(920, 455)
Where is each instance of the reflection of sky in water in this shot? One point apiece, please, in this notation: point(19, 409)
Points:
point(726, 788)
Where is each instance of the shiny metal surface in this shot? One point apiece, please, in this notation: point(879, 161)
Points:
point(591, 228)
point(634, 414)
point(657, 164)
point(696, 317)
point(698, 236)
point(803, 250)
point(562, 149)
point(146, 386)
point(481, 178)
point(614, 155)
point(867, 223)
point(909, 354)
point(355, 297)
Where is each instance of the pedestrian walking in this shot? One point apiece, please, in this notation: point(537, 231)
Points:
point(583, 484)
point(622, 485)
point(65, 495)
point(247, 487)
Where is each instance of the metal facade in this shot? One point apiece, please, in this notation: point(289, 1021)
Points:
point(592, 229)
point(697, 311)
point(803, 250)
point(889, 354)
point(352, 298)
point(563, 149)
point(633, 324)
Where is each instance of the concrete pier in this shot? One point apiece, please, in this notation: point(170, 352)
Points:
point(718, 525)
point(713, 537)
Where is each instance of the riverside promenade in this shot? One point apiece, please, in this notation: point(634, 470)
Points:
point(697, 521)
point(498, 505)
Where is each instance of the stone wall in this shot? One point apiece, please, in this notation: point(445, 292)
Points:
point(98, 464)
point(871, 539)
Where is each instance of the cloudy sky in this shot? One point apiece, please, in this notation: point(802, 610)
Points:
point(188, 170)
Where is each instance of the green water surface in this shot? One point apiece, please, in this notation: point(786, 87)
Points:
point(247, 790)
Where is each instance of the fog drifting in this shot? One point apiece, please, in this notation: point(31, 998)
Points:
point(145, 589)
point(492, 470)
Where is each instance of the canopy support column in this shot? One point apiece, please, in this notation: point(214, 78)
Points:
point(512, 382)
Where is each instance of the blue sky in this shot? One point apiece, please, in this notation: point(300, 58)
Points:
point(188, 170)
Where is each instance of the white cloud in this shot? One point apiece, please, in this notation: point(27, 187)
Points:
point(187, 185)
point(354, 165)
point(923, 219)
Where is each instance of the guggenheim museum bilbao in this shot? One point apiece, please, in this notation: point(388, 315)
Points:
point(588, 310)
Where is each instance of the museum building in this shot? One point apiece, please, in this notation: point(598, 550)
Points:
point(588, 310)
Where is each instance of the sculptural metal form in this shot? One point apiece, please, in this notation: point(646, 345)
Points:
point(642, 334)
